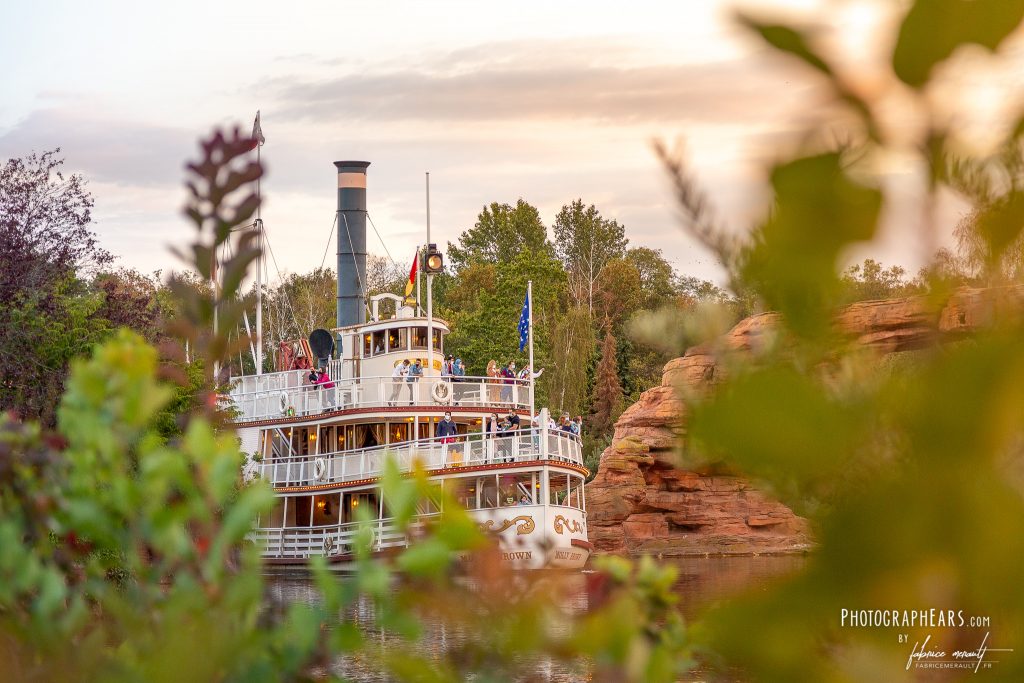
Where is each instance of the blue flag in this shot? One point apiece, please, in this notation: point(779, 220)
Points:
point(524, 323)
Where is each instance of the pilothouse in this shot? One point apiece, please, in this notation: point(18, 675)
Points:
point(343, 401)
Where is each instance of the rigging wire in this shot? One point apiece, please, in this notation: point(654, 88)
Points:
point(280, 279)
point(382, 243)
point(348, 233)
point(328, 245)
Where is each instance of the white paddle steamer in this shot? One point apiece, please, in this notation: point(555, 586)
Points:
point(323, 447)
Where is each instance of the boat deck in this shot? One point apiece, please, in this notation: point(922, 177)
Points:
point(329, 470)
point(288, 394)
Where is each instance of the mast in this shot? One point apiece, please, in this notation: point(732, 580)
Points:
point(430, 296)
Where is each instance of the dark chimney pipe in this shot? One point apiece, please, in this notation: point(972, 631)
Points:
point(351, 242)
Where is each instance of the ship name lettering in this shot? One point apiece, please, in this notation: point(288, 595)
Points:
point(518, 555)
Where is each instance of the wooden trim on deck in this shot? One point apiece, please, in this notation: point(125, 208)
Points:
point(440, 408)
point(579, 469)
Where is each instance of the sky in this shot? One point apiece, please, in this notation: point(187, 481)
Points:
point(543, 101)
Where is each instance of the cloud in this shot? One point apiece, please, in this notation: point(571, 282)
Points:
point(105, 148)
point(546, 81)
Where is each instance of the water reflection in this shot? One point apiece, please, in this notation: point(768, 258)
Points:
point(702, 582)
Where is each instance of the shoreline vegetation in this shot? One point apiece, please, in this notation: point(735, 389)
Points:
point(123, 520)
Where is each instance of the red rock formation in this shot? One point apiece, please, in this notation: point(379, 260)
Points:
point(639, 502)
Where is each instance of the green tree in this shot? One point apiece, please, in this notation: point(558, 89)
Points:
point(384, 276)
point(585, 241)
point(657, 277)
point(618, 294)
point(869, 280)
point(40, 333)
point(48, 251)
point(500, 233)
point(572, 356)
point(488, 301)
point(131, 299)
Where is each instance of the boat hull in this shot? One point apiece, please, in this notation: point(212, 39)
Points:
point(529, 537)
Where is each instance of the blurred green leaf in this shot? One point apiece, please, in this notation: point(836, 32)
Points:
point(933, 29)
point(819, 210)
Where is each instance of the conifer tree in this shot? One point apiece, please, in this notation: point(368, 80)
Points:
point(607, 388)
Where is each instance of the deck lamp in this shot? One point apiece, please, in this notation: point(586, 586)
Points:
point(433, 260)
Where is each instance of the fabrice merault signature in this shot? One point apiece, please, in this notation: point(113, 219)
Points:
point(924, 658)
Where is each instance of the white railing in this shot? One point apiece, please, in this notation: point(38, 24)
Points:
point(460, 451)
point(287, 394)
point(337, 539)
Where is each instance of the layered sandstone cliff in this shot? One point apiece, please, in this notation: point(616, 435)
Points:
point(640, 502)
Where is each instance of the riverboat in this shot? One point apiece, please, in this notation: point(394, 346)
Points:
point(323, 447)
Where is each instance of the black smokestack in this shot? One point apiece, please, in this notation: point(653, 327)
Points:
point(351, 242)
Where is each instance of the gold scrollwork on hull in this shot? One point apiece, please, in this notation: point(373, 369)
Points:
point(524, 524)
point(563, 524)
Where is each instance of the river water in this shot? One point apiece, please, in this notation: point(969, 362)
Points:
point(701, 582)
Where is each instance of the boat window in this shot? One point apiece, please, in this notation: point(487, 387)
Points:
point(326, 509)
point(463, 490)
point(419, 337)
point(558, 487)
point(429, 504)
point(369, 436)
point(517, 489)
point(398, 432)
point(437, 339)
point(367, 345)
point(302, 506)
point(487, 492)
point(332, 439)
point(576, 492)
point(360, 505)
point(378, 342)
point(398, 339)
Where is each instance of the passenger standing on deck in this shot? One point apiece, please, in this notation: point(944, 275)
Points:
point(509, 374)
point(446, 366)
point(413, 377)
point(492, 427)
point(509, 427)
point(526, 373)
point(446, 429)
point(494, 377)
point(458, 369)
point(397, 379)
point(326, 385)
point(577, 425)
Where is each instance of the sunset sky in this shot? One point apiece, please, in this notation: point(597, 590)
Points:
point(539, 100)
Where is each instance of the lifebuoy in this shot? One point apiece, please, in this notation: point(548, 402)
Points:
point(319, 469)
point(282, 400)
point(442, 392)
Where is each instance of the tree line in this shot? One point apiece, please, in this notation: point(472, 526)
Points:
point(592, 289)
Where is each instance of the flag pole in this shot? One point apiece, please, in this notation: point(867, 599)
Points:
point(529, 298)
point(259, 259)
